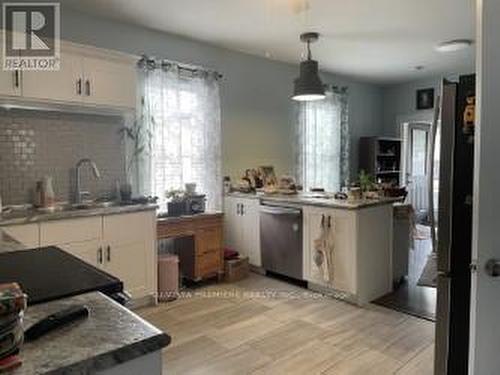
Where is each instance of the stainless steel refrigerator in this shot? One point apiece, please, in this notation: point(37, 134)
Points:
point(451, 196)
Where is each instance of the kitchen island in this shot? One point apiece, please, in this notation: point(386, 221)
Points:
point(112, 340)
point(359, 233)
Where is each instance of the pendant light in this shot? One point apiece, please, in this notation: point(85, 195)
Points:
point(308, 85)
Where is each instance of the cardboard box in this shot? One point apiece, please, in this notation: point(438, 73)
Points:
point(236, 269)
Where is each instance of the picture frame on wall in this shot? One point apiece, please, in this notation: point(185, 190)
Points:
point(425, 98)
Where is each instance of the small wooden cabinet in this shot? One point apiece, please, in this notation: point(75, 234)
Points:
point(205, 257)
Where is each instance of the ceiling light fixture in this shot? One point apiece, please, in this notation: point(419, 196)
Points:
point(308, 85)
point(454, 45)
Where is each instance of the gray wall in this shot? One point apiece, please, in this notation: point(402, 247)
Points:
point(35, 144)
point(256, 109)
point(400, 104)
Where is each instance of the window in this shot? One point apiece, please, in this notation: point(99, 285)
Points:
point(185, 126)
point(322, 143)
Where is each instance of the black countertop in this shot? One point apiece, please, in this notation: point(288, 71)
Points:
point(50, 273)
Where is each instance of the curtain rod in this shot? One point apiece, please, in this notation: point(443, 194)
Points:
point(154, 63)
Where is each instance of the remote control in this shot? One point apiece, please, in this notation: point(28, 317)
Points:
point(56, 320)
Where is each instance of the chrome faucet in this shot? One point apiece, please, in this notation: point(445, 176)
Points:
point(95, 171)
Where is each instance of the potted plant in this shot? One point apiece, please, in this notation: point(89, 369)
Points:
point(140, 140)
point(369, 187)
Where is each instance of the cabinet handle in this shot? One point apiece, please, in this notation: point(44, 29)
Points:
point(242, 209)
point(79, 86)
point(237, 209)
point(87, 87)
point(16, 79)
point(108, 253)
point(99, 255)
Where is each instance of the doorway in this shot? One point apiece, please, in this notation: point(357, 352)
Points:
point(415, 293)
point(416, 144)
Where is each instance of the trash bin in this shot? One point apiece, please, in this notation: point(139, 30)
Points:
point(168, 277)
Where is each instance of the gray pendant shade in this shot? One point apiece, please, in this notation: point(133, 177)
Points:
point(308, 85)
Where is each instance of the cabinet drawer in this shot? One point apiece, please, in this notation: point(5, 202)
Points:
point(208, 263)
point(207, 241)
point(73, 230)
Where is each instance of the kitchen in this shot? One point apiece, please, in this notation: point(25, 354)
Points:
point(81, 130)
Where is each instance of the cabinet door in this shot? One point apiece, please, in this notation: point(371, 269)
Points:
point(65, 85)
point(208, 252)
point(232, 225)
point(344, 248)
point(10, 81)
point(26, 234)
point(127, 262)
point(344, 265)
point(251, 231)
point(109, 82)
point(312, 232)
point(129, 245)
point(89, 251)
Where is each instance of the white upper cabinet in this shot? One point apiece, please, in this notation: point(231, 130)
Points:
point(88, 77)
point(109, 82)
point(64, 85)
point(10, 81)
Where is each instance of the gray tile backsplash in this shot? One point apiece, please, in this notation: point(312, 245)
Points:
point(36, 143)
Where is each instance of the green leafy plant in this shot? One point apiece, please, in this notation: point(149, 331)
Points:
point(175, 195)
point(140, 135)
point(366, 181)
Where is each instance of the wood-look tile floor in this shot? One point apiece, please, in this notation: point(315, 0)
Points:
point(264, 326)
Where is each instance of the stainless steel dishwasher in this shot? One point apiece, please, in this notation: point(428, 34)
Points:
point(281, 240)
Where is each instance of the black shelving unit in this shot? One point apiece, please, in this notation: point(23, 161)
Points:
point(381, 157)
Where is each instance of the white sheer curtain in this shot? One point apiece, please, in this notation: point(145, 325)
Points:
point(322, 142)
point(182, 111)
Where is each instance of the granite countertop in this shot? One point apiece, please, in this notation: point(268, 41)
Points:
point(34, 216)
point(317, 200)
point(111, 335)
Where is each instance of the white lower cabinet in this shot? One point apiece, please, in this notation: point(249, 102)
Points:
point(124, 245)
point(342, 224)
point(26, 234)
point(241, 227)
point(89, 251)
point(129, 250)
